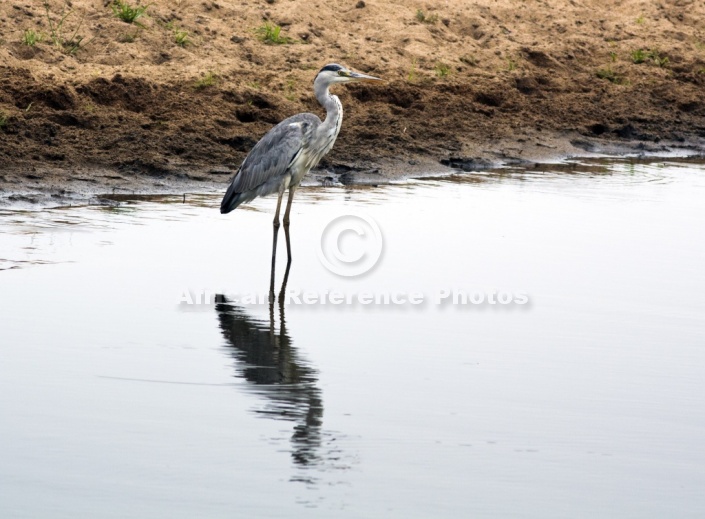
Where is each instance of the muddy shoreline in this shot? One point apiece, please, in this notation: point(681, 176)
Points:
point(45, 188)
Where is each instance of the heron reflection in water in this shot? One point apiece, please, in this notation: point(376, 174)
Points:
point(268, 360)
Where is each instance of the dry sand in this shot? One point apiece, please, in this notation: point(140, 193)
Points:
point(472, 84)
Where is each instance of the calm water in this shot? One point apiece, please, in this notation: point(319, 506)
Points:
point(121, 399)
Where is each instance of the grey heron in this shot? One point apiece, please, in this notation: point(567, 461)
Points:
point(281, 159)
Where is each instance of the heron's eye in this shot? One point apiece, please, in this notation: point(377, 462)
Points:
point(342, 73)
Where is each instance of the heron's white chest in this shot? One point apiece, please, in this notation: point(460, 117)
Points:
point(318, 144)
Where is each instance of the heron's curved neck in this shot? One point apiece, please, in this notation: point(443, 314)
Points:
point(334, 110)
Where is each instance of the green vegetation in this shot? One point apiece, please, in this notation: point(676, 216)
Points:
point(127, 13)
point(640, 19)
point(412, 72)
point(442, 70)
point(206, 81)
point(271, 35)
point(426, 18)
point(31, 38)
point(641, 56)
point(610, 75)
point(613, 57)
point(290, 90)
point(70, 44)
point(181, 38)
point(661, 61)
point(511, 64)
point(3, 120)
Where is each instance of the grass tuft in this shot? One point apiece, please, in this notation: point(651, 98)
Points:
point(442, 70)
point(181, 38)
point(206, 81)
point(426, 18)
point(659, 60)
point(271, 35)
point(31, 37)
point(610, 75)
point(127, 13)
point(67, 44)
point(412, 72)
point(641, 56)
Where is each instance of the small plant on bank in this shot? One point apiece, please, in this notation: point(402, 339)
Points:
point(271, 35)
point(31, 37)
point(511, 64)
point(659, 60)
point(639, 56)
point(640, 19)
point(206, 81)
point(610, 75)
point(3, 120)
point(290, 90)
point(613, 56)
point(127, 13)
point(69, 45)
point(426, 18)
point(412, 72)
point(442, 70)
point(181, 38)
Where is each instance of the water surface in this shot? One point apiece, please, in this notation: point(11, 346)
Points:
point(120, 400)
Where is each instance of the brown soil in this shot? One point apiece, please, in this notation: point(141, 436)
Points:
point(472, 84)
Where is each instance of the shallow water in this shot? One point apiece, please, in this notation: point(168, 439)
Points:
point(123, 397)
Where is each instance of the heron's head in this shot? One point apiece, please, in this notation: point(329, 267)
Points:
point(333, 73)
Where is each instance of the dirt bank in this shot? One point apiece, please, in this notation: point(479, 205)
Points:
point(187, 92)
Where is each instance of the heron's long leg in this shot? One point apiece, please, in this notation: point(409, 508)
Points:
point(288, 247)
point(274, 245)
point(292, 189)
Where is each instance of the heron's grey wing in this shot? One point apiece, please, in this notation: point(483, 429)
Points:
point(273, 154)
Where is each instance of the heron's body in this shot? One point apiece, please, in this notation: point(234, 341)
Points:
point(281, 159)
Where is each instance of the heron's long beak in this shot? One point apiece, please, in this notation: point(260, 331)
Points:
point(356, 76)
